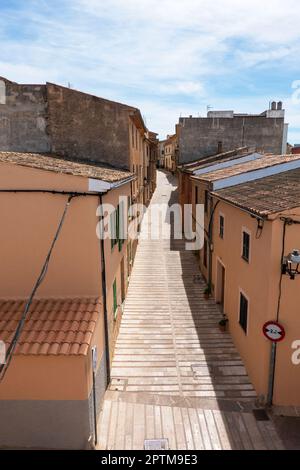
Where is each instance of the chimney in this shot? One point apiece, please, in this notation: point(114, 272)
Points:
point(273, 105)
point(220, 147)
point(279, 105)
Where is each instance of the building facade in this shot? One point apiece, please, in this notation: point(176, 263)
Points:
point(170, 147)
point(161, 154)
point(256, 226)
point(54, 119)
point(251, 221)
point(63, 355)
point(222, 131)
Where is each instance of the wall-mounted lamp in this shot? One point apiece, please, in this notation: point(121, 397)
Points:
point(291, 264)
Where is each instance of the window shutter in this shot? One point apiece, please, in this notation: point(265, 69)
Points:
point(115, 298)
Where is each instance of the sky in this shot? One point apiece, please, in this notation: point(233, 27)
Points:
point(169, 58)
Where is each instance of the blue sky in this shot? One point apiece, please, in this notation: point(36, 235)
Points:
point(167, 57)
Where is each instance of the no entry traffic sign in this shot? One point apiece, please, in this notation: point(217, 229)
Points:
point(273, 331)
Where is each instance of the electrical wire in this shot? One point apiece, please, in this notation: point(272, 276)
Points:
point(13, 344)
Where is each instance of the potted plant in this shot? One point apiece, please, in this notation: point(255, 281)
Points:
point(223, 323)
point(207, 292)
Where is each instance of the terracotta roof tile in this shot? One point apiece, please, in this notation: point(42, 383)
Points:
point(64, 349)
point(55, 326)
point(267, 195)
point(22, 348)
point(74, 348)
point(34, 348)
point(44, 349)
point(263, 162)
point(190, 167)
point(54, 163)
point(83, 349)
point(53, 349)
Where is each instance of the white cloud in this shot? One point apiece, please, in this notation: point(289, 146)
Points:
point(185, 88)
point(161, 55)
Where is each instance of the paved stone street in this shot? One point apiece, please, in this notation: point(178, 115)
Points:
point(174, 374)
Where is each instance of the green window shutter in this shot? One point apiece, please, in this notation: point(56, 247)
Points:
point(119, 225)
point(115, 298)
point(123, 222)
point(114, 228)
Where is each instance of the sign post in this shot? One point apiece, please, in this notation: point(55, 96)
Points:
point(274, 332)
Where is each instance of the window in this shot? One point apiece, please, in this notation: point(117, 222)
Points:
point(113, 229)
point(205, 254)
point(221, 226)
point(117, 226)
point(243, 317)
point(130, 210)
point(206, 201)
point(246, 246)
point(115, 299)
point(121, 227)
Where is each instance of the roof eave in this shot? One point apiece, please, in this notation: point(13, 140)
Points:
point(252, 212)
point(101, 186)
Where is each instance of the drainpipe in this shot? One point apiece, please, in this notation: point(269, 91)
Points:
point(94, 366)
point(272, 368)
point(104, 297)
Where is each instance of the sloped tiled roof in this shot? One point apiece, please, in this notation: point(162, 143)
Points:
point(190, 167)
point(267, 195)
point(53, 326)
point(50, 162)
point(263, 162)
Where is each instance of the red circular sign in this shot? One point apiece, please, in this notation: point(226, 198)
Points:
point(274, 331)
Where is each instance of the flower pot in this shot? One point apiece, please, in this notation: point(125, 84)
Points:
point(222, 327)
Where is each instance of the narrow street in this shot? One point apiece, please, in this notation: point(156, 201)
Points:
point(174, 374)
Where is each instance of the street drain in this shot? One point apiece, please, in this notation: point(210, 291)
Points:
point(261, 415)
point(156, 444)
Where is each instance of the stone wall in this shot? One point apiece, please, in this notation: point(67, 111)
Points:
point(52, 118)
point(23, 118)
point(85, 127)
point(200, 136)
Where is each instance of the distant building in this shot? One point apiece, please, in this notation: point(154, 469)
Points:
point(296, 149)
point(222, 131)
point(170, 148)
point(161, 154)
point(221, 160)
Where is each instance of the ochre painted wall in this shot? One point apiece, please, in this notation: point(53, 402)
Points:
point(28, 225)
point(259, 281)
